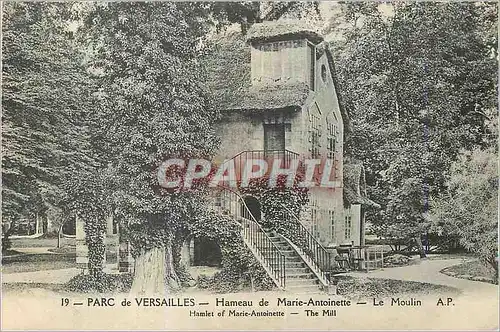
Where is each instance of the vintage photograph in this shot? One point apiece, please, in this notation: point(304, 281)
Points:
point(271, 165)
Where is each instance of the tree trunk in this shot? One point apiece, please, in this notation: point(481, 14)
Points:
point(59, 233)
point(420, 246)
point(154, 272)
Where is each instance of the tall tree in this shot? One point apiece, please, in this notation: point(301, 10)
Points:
point(418, 80)
point(46, 91)
point(153, 107)
point(247, 13)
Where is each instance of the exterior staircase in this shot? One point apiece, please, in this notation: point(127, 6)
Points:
point(298, 276)
point(287, 265)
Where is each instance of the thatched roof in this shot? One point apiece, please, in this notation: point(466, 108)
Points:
point(355, 186)
point(230, 79)
point(282, 30)
point(276, 96)
point(230, 70)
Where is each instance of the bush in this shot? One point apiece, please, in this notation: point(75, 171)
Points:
point(240, 271)
point(469, 209)
point(204, 282)
point(106, 283)
point(396, 260)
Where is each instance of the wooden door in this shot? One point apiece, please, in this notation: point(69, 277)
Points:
point(274, 137)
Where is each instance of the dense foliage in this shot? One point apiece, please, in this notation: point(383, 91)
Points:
point(87, 283)
point(281, 206)
point(419, 82)
point(469, 208)
point(240, 268)
point(45, 92)
point(153, 106)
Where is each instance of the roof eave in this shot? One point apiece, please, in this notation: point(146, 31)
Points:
point(262, 109)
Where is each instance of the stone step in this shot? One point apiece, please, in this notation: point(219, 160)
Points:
point(290, 257)
point(299, 275)
point(281, 244)
point(287, 253)
point(292, 264)
point(290, 282)
point(293, 270)
point(302, 289)
point(280, 247)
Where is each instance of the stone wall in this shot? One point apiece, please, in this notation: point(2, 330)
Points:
point(279, 62)
point(329, 201)
point(238, 132)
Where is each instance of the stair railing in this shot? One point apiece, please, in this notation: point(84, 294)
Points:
point(319, 256)
point(231, 203)
point(286, 156)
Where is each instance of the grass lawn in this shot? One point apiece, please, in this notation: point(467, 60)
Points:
point(63, 250)
point(472, 270)
point(353, 288)
point(450, 256)
point(41, 242)
point(37, 262)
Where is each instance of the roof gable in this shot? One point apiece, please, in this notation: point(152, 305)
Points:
point(355, 186)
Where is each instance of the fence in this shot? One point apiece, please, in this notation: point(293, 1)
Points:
point(366, 257)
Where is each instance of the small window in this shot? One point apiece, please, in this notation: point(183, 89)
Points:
point(347, 226)
point(315, 130)
point(323, 73)
point(331, 139)
point(331, 214)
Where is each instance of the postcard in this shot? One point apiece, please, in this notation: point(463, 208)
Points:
point(249, 165)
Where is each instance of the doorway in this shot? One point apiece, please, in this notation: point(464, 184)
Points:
point(274, 137)
point(253, 205)
point(206, 252)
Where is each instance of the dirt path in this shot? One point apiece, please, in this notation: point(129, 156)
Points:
point(428, 271)
point(35, 250)
point(60, 276)
point(46, 277)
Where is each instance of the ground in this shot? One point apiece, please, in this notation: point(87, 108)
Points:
point(429, 271)
point(472, 270)
point(475, 304)
point(37, 262)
